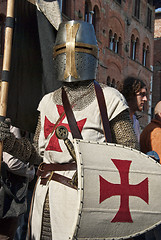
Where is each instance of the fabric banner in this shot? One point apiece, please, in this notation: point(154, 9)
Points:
point(31, 74)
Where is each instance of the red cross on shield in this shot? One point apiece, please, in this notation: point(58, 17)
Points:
point(125, 190)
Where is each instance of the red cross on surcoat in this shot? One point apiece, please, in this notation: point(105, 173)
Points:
point(124, 190)
point(48, 128)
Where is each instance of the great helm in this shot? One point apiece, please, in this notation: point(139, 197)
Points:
point(75, 52)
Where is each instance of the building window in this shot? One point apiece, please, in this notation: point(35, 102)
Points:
point(137, 49)
point(134, 51)
point(108, 82)
point(113, 84)
point(88, 13)
point(111, 40)
point(145, 57)
point(119, 46)
point(137, 8)
point(115, 43)
point(149, 18)
point(65, 7)
point(133, 48)
point(148, 57)
point(96, 20)
point(2, 32)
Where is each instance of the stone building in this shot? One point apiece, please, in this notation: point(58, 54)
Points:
point(125, 34)
point(157, 61)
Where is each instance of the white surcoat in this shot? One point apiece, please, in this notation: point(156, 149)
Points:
point(62, 199)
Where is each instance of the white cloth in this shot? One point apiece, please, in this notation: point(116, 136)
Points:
point(15, 165)
point(51, 10)
point(63, 201)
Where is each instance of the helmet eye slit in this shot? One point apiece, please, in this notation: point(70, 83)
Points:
point(87, 48)
point(59, 49)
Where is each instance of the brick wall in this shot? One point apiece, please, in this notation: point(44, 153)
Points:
point(3, 5)
point(157, 61)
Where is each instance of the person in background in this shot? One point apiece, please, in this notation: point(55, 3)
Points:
point(150, 138)
point(15, 165)
point(135, 93)
point(150, 143)
point(9, 225)
point(21, 231)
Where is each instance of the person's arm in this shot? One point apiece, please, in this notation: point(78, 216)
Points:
point(21, 149)
point(122, 130)
point(17, 167)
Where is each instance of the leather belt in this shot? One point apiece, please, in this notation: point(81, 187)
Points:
point(47, 173)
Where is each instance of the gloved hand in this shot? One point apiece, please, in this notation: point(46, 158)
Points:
point(5, 129)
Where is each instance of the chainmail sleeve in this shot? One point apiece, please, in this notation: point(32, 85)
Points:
point(37, 134)
point(22, 148)
point(122, 131)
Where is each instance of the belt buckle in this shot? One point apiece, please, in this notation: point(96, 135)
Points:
point(40, 167)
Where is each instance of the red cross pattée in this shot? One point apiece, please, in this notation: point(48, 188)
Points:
point(124, 190)
point(53, 144)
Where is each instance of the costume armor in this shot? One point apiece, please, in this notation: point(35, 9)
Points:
point(21, 149)
point(75, 52)
point(119, 136)
point(46, 228)
point(75, 61)
point(80, 94)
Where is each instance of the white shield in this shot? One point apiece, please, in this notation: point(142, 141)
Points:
point(119, 191)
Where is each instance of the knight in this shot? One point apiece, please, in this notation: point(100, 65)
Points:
point(76, 106)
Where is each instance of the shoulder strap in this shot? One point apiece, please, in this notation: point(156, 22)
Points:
point(70, 116)
point(103, 111)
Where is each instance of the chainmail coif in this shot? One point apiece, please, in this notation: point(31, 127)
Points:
point(81, 94)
